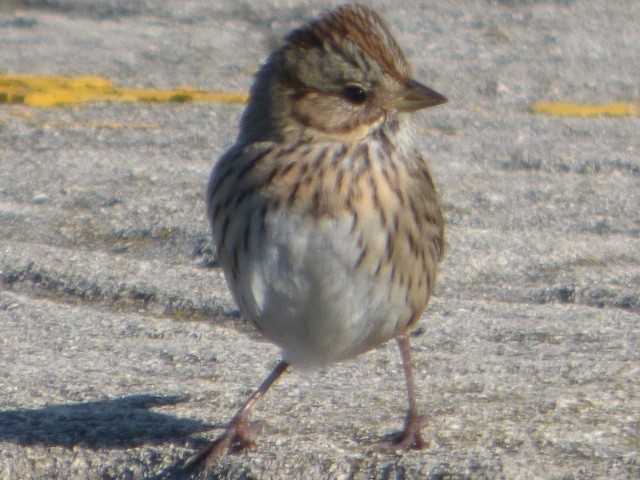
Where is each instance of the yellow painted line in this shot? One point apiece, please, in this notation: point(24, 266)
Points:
point(562, 109)
point(50, 91)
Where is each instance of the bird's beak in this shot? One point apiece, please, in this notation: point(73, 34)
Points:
point(416, 96)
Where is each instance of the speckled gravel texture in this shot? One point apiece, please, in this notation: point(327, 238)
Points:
point(122, 352)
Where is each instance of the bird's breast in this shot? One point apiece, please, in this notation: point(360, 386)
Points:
point(326, 248)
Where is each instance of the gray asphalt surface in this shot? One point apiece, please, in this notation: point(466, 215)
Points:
point(122, 352)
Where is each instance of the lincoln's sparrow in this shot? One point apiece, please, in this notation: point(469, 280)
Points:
point(324, 214)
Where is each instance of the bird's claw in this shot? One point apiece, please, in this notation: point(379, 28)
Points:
point(408, 439)
point(236, 437)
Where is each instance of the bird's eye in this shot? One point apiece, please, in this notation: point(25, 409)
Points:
point(354, 94)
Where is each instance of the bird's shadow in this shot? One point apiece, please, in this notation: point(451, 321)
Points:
point(113, 423)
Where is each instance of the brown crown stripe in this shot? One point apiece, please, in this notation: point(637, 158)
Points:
point(360, 26)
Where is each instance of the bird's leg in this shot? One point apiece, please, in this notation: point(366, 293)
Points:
point(410, 438)
point(238, 432)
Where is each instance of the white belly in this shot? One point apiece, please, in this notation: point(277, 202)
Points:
point(299, 285)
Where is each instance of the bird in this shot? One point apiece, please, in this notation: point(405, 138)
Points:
point(324, 215)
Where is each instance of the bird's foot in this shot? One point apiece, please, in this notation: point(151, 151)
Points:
point(408, 439)
point(236, 437)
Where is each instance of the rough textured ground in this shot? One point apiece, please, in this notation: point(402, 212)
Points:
point(121, 351)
